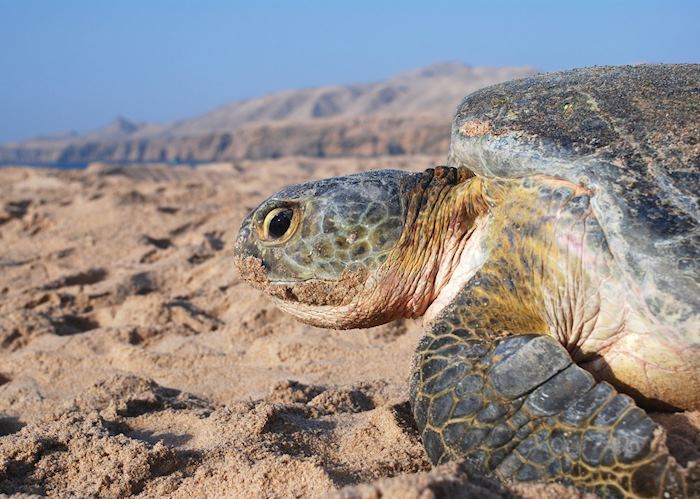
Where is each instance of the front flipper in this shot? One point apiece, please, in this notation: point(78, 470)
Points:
point(519, 408)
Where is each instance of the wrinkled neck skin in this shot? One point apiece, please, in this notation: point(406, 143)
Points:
point(438, 237)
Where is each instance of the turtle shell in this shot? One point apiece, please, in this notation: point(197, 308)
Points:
point(632, 135)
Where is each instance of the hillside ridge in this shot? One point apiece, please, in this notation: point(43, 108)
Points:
point(408, 113)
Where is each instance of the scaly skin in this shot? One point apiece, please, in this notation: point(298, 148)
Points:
point(518, 280)
point(520, 409)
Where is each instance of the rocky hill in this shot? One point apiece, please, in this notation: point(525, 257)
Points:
point(409, 113)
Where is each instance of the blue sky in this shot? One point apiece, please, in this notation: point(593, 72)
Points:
point(76, 64)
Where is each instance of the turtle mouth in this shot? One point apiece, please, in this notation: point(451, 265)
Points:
point(321, 292)
point(359, 311)
point(310, 291)
point(349, 302)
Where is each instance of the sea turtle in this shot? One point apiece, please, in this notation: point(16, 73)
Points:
point(556, 262)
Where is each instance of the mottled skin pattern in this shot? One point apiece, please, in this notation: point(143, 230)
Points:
point(546, 321)
point(353, 221)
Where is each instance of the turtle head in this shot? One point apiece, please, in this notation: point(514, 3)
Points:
point(341, 252)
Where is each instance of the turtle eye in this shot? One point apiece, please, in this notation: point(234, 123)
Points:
point(277, 224)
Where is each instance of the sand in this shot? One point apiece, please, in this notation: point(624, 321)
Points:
point(136, 362)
